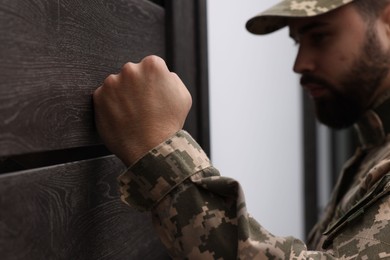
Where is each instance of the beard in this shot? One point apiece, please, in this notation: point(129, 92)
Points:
point(346, 103)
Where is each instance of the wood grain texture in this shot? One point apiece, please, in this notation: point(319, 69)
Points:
point(72, 211)
point(54, 53)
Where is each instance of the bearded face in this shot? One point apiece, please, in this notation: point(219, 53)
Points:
point(346, 103)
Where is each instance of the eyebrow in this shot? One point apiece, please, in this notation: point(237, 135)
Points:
point(307, 28)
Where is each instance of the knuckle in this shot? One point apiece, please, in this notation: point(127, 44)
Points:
point(152, 59)
point(153, 62)
point(110, 80)
point(128, 69)
point(96, 94)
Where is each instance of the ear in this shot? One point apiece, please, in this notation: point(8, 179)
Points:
point(383, 25)
point(385, 17)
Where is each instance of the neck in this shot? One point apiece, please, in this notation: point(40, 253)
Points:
point(374, 125)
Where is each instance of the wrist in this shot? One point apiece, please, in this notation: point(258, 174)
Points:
point(137, 150)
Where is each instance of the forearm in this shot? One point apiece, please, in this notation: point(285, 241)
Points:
point(197, 213)
point(206, 218)
point(200, 215)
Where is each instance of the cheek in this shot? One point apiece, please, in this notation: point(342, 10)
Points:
point(345, 51)
point(335, 64)
point(345, 55)
point(341, 62)
point(342, 58)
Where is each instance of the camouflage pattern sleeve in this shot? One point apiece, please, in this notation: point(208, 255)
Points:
point(200, 215)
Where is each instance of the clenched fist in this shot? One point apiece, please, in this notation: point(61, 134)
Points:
point(140, 107)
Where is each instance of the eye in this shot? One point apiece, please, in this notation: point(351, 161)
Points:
point(318, 38)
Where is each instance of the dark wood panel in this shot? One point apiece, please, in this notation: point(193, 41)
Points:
point(72, 211)
point(187, 56)
point(54, 54)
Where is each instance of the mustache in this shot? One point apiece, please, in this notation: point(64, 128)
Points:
point(311, 79)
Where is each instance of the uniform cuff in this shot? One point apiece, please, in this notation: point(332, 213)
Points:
point(163, 168)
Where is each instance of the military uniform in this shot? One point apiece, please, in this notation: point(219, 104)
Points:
point(199, 214)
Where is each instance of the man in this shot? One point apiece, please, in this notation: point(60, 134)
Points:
point(344, 61)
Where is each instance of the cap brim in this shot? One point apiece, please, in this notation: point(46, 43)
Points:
point(265, 24)
point(277, 16)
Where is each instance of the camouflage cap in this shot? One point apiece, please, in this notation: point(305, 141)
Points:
point(275, 17)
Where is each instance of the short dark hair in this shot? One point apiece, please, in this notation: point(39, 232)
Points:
point(370, 9)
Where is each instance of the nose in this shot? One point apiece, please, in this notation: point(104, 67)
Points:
point(304, 61)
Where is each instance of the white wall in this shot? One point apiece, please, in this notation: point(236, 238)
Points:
point(255, 114)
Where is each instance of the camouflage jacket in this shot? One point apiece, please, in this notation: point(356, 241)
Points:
point(199, 214)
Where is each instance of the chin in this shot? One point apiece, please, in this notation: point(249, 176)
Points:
point(338, 117)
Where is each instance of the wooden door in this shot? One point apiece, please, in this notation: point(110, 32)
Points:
point(58, 192)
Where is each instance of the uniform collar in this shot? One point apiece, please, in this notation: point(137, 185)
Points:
point(374, 126)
